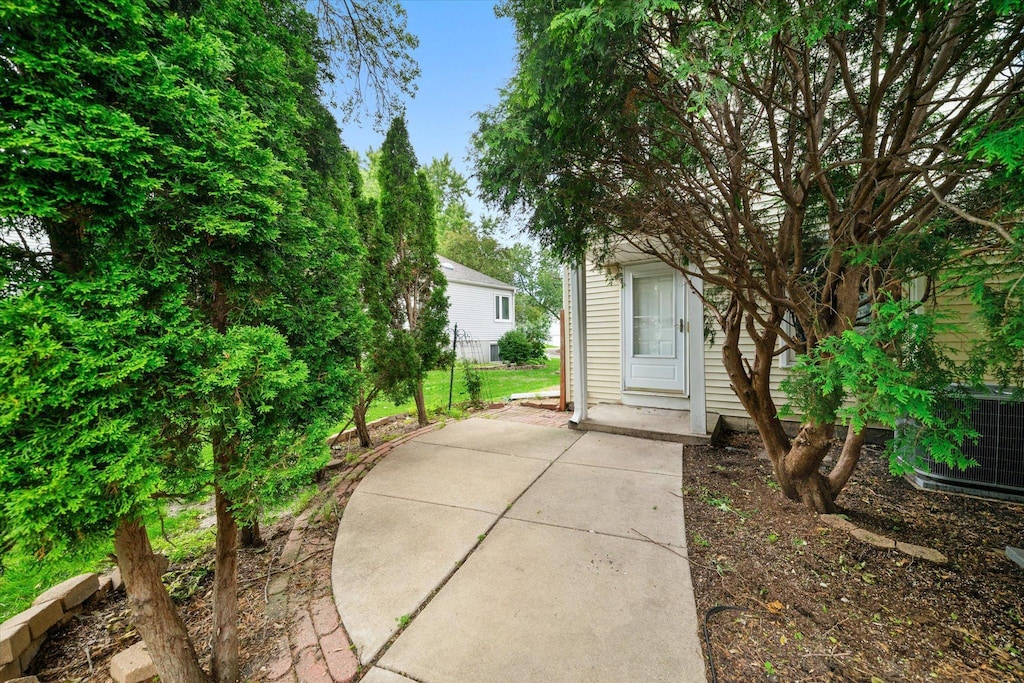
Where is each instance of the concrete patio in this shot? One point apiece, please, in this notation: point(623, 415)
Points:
point(501, 551)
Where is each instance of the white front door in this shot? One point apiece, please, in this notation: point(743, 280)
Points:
point(654, 329)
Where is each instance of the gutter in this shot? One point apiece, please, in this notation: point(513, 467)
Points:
point(578, 299)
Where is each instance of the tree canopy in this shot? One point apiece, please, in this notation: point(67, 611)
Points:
point(177, 234)
point(805, 161)
point(535, 273)
point(419, 306)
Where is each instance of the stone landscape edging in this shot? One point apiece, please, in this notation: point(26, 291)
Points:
point(22, 635)
point(883, 542)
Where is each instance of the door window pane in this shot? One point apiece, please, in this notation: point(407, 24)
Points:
point(654, 320)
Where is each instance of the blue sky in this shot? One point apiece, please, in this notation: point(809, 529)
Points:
point(465, 55)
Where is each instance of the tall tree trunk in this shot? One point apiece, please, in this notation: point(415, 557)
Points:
point(249, 535)
point(803, 462)
point(225, 577)
point(359, 419)
point(421, 405)
point(795, 462)
point(158, 622)
point(848, 458)
point(224, 664)
point(225, 595)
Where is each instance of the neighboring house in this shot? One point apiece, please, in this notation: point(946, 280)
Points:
point(483, 308)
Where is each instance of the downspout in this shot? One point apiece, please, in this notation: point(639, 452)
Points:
point(578, 297)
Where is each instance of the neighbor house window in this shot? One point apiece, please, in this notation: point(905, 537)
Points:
point(501, 307)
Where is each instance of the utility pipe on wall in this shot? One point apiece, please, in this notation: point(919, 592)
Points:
point(578, 296)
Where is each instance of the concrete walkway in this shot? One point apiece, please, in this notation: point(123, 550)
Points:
point(492, 550)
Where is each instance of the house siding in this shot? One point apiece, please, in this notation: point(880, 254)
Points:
point(719, 394)
point(604, 344)
point(472, 308)
point(721, 399)
point(959, 311)
point(604, 337)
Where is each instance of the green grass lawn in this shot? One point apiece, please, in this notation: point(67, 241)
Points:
point(180, 536)
point(498, 384)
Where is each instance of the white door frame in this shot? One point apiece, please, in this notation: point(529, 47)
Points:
point(677, 385)
point(693, 397)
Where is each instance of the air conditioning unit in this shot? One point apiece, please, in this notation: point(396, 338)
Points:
point(999, 452)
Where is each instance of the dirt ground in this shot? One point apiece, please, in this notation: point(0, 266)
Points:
point(801, 601)
point(806, 602)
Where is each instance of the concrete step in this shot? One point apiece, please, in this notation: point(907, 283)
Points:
point(657, 424)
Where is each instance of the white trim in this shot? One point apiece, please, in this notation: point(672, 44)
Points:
point(498, 308)
point(787, 358)
point(578, 297)
point(695, 357)
point(916, 289)
point(648, 399)
point(681, 296)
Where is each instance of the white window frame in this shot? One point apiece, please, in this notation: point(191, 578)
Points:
point(787, 358)
point(498, 308)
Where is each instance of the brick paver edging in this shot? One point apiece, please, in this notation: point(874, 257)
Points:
point(315, 647)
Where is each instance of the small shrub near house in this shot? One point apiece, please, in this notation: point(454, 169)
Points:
point(474, 383)
point(521, 347)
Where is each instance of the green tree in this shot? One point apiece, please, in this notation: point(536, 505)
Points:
point(537, 276)
point(451, 190)
point(478, 247)
point(535, 273)
point(177, 222)
point(804, 161)
point(419, 313)
point(386, 358)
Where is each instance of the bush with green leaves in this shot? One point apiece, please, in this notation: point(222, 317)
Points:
point(521, 347)
point(892, 373)
point(474, 382)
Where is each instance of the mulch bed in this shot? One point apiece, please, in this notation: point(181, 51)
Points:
point(107, 629)
point(806, 602)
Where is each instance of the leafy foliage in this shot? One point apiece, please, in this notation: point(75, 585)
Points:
point(178, 226)
point(535, 273)
point(520, 347)
point(411, 282)
point(474, 383)
point(804, 161)
point(891, 373)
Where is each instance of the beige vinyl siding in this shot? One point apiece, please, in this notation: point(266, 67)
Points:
point(719, 395)
point(604, 337)
point(959, 311)
point(722, 400)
